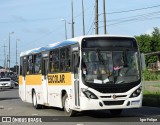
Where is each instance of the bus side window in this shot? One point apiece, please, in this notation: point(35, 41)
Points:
point(21, 66)
point(37, 64)
point(68, 60)
point(65, 58)
point(29, 65)
point(54, 61)
point(43, 68)
point(24, 66)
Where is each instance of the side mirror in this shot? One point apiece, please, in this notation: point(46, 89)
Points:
point(143, 64)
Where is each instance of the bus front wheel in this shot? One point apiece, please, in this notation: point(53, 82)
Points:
point(67, 107)
point(34, 101)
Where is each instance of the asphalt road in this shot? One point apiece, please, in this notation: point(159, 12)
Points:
point(11, 105)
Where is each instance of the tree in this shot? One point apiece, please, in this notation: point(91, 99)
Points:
point(144, 43)
point(150, 43)
point(156, 40)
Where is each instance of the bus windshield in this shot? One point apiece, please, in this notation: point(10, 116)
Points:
point(110, 67)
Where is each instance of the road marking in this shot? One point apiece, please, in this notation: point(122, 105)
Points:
point(1, 107)
point(10, 108)
point(80, 124)
point(34, 114)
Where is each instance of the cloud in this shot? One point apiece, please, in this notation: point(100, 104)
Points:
point(19, 18)
point(43, 31)
point(27, 30)
point(149, 31)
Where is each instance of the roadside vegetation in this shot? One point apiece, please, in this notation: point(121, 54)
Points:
point(151, 92)
point(151, 86)
point(151, 98)
point(150, 43)
point(151, 76)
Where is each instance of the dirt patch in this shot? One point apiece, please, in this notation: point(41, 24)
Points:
point(152, 88)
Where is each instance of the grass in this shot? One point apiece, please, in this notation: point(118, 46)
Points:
point(151, 98)
point(158, 85)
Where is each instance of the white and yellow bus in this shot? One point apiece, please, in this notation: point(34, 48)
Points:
point(84, 73)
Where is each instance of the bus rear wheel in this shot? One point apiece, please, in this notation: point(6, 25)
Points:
point(34, 101)
point(115, 112)
point(67, 108)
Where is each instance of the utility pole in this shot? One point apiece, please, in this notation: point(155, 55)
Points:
point(72, 20)
point(96, 17)
point(83, 17)
point(4, 56)
point(65, 28)
point(104, 15)
point(7, 62)
point(16, 57)
point(9, 58)
point(9, 54)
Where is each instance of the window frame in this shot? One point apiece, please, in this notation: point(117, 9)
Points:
point(67, 53)
point(34, 63)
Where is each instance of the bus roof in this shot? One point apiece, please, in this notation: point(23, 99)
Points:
point(48, 47)
point(65, 43)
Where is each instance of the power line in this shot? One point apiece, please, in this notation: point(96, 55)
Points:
point(33, 20)
point(125, 11)
point(90, 27)
point(59, 26)
point(90, 20)
point(92, 30)
point(78, 15)
point(45, 35)
point(133, 20)
point(45, 19)
point(132, 17)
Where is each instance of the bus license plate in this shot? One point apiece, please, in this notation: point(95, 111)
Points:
point(136, 102)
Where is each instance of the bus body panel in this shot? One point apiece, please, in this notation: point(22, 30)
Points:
point(22, 88)
point(50, 88)
point(33, 80)
point(44, 93)
point(94, 104)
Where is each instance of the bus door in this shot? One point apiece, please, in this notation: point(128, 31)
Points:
point(24, 72)
point(76, 60)
point(45, 80)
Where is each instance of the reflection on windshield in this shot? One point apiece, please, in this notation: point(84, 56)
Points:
point(104, 67)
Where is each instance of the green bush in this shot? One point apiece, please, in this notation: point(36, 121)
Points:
point(151, 98)
point(150, 76)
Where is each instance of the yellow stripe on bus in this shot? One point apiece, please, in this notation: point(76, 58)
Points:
point(33, 79)
point(20, 80)
point(60, 79)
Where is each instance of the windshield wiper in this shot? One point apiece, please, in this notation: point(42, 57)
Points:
point(100, 57)
point(120, 82)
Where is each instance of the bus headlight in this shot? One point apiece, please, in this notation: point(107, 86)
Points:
point(89, 94)
point(136, 92)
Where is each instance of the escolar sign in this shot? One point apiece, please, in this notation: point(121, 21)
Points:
point(59, 79)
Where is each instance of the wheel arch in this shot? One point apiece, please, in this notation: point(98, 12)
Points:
point(63, 93)
point(33, 90)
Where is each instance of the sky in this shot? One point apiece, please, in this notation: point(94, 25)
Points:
point(37, 23)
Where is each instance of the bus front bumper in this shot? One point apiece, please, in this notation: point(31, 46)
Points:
point(99, 104)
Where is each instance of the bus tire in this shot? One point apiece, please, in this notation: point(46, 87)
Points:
point(34, 101)
point(66, 105)
point(115, 112)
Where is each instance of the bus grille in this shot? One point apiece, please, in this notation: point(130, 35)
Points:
point(114, 102)
point(118, 96)
point(114, 88)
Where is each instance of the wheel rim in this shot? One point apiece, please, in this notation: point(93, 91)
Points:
point(34, 99)
point(67, 105)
